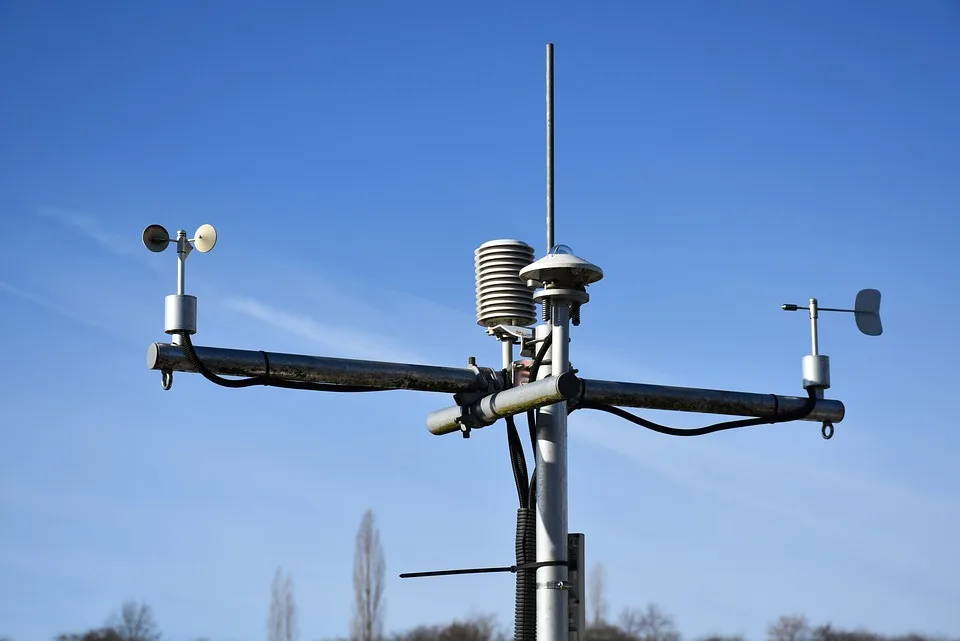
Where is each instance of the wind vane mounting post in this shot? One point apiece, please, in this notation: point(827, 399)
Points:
point(510, 283)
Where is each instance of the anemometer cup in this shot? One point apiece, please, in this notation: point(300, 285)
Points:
point(180, 314)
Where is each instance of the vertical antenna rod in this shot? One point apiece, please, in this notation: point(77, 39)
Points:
point(550, 242)
point(813, 326)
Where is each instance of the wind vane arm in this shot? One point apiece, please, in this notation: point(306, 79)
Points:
point(706, 401)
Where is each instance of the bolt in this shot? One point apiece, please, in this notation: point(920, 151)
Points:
point(545, 315)
point(575, 314)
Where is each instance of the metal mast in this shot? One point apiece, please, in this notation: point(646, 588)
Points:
point(551, 452)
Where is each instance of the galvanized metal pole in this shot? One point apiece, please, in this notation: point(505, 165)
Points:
point(319, 369)
point(552, 585)
point(705, 401)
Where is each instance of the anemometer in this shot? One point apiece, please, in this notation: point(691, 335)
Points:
point(510, 285)
point(180, 309)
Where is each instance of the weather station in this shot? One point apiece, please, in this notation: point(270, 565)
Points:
point(534, 378)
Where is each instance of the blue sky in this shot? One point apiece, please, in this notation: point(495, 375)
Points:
point(716, 159)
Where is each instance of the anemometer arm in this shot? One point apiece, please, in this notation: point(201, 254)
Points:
point(491, 405)
point(319, 369)
point(707, 401)
point(483, 395)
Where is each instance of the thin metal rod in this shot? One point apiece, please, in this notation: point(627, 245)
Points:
point(181, 274)
point(552, 605)
point(550, 224)
point(488, 409)
point(182, 252)
point(705, 401)
point(506, 348)
point(317, 369)
point(814, 338)
point(830, 309)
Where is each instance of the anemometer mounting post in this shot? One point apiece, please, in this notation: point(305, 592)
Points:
point(510, 284)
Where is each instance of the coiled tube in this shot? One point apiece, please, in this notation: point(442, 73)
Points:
point(525, 614)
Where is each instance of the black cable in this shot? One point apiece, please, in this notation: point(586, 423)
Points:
point(532, 416)
point(501, 568)
point(534, 370)
point(418, 575)
point(518, 461)
point(265, 380)
point(777, 417)
point(525, 615)
point(525, 597)
point(532, 496)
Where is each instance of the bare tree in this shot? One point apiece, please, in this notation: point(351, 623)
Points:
point(369, 568)
point(598, 598)
point(282, 624)
point(790, 628)
point(476, 628)
point(649, 624)
point(97, 634)
point(135, 622)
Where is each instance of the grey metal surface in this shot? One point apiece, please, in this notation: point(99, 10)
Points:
point(577, 573)
point(317, 369)
point(508, 402)
point(816, 371)
point(180, 313)
point(814, 334)
point(506, 354)
point(552, 606)
point(704, 401)
point(183, 250)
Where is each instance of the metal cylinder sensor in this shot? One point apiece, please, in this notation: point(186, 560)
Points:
point(816, 371)
point(502, 298)
point(180, 314)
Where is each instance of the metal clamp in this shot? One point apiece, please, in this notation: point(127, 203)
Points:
point(554, 585)
point(488, 381)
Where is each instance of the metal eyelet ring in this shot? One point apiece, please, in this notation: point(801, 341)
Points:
point(166, 379)
point(827, 430)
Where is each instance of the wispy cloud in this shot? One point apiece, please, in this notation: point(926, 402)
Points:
point(341, 340)
point(700, 470)
point(43, 303)
point(92, 229)
point(88, 227)
point(790, 492)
